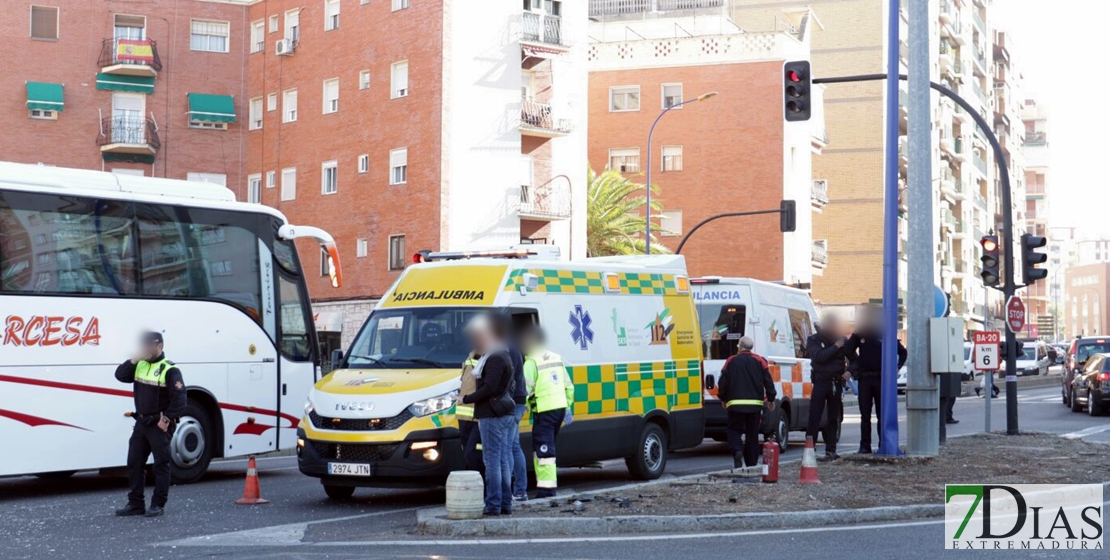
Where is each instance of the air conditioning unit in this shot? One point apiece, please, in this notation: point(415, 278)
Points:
point(284, 47)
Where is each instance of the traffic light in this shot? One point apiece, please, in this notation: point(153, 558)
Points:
point(796, 90)
point(990, 273)
point(1030, 258)
point(788, 216)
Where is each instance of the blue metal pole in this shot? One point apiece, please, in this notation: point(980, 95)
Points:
point(888, 418)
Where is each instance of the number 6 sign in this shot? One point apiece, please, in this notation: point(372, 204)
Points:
point(986, 350)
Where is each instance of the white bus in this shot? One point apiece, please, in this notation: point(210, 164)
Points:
point(89, 259)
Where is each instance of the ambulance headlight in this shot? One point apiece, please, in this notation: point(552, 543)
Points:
point(434, 404)
point(309, 406)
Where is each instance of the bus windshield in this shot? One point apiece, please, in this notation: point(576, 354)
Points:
point(418, 338)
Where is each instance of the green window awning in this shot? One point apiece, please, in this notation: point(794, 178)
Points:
point(44, 96)
point(119, 82)
point(211, 108)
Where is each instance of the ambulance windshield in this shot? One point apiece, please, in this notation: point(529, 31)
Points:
point(417, 338)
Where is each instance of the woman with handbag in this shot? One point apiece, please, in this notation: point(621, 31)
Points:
point(493, 409)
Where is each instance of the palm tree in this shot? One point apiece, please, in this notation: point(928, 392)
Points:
point(613, 223)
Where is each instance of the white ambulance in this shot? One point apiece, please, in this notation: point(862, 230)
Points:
point(625, 326)
point(780, 319)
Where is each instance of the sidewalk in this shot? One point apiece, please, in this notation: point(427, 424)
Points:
point(1030, 382)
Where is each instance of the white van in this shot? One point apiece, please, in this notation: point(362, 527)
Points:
point(1034, 358)
point(780, 319)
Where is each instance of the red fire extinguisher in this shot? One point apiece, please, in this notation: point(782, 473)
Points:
point(770, 461)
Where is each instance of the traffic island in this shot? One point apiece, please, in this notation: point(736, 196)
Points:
point(854, 489)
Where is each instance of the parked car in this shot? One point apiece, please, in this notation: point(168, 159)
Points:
point(969, 367)
point(903, 377)
point(1079, 352)
point(1034, 358)
point(1091, 386)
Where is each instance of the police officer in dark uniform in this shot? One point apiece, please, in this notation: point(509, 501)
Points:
point(825, 350)
point(159, 401)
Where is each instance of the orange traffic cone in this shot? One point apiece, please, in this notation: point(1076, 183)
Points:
point(252, 493)
point(809, 464)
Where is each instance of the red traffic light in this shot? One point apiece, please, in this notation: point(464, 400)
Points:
point(989, 243)
point(794, 76)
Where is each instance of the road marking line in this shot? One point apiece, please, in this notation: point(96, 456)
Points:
point(290, 534)
point(1086, 432)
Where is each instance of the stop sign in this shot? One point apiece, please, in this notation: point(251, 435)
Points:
point(1015, 314)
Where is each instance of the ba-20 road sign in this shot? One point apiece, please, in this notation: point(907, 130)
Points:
point(986, 349)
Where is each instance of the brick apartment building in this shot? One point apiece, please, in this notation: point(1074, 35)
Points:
point(729, 153)
point(132, 87)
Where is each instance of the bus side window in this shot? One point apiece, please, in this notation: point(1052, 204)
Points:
point(295, 342)
point(800, 329)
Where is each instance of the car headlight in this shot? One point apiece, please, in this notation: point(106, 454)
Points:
point(434, 404)
point(309, 406)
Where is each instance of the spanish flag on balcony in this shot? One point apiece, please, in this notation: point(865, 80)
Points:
point(134, 50)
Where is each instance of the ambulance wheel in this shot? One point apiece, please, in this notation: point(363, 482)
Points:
point(191, 446)
point(650, 459)
point(339, 492)
point(782, 431)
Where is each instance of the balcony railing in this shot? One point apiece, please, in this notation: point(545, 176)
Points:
point(980, 163)
point(979, 21)
point(819, 193)
point(538, 117)
point(600, 8)
point(542, 28)
point(1036, 138)
point(548, 201)
point(819, 254)
point(131, 53)
point(133, 131)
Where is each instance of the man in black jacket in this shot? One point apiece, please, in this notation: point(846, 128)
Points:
point(865, 347)
point(744, 386)
point(160, 400)
point(828, 372)
point(520, 397)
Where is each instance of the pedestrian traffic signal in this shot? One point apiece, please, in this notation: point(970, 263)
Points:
point(989, 274)
point(1030, 258)
point(796, 90)
point(788, 216)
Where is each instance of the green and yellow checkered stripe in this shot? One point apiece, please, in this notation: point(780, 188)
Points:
point(636, 388)
point(591, 282)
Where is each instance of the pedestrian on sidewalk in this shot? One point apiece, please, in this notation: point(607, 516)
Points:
point(494, 410)
point(744, 386)
point(828, 372)
point(865, 347)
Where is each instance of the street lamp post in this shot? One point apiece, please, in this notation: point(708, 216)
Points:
point(647, 212)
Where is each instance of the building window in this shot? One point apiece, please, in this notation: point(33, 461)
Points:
point(672, 158)
point(289, 106)
point(209, 36)
point(254, 188)
point(331, 96)
point(672, 95)
point(44, 23)
point(399, 79)
point(207, 125)
point(293, 24)
point(289, 183)
point(670, 223)
point(214, 178)
point(46, 114)
point(271, 179)
point(398, 166)
point(396, 252)
point(273, 23)
point(624, 98)
point(361, 246)
point(271, 102)
point(325, 269)
point(331, 15)
point(363, 2)
point(364, 79)
point(625, 160)
point(255, 114)
point(329, 177)
point(400, 4)
point(364, 163)
point(258, 36)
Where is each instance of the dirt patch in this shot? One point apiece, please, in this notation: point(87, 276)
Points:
point(856, 481)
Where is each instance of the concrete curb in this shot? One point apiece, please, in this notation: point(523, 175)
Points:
point(1033, 382)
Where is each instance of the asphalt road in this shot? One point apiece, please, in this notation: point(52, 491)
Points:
point(73, 518)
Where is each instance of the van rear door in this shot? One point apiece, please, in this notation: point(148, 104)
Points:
point(723, 312)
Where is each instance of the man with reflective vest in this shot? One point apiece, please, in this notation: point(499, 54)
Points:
point(744, 386)
point(160, 400)
point(469, 437)
point(550, 396)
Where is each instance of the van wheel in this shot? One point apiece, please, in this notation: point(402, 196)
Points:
point(339, 492)
point(782, 431)
point(650, 459)
point(191, 447)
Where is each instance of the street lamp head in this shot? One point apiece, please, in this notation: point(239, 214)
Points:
point(705, 96)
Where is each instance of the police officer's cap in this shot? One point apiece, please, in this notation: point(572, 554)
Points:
point(152, 337)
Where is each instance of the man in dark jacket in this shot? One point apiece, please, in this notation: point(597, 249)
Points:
point(160, 399)
point(520, 397)
point(828, 372)
point(865, 347)
point(744, 386)
point(494, 410)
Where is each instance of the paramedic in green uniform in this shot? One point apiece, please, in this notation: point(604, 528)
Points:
point(550, 396)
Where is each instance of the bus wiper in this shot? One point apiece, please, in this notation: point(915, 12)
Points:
point(371, 359)
point(424, 361)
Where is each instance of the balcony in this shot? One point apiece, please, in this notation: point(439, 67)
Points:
point(130, 57)
point(128, 136)
point(819, 254)
point(980, 163)
point(979, 21)
point(947, 11)
point(819, 194)
point(980, 61)
point(542, 29)
point(1036, 138)
point(536, 119)
point(549, 201)
point(959, 152)
point(601, 8)
point(947, 55)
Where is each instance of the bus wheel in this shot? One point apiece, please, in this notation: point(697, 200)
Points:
point(651, 454)
point(339, 492)
point(191, 447)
